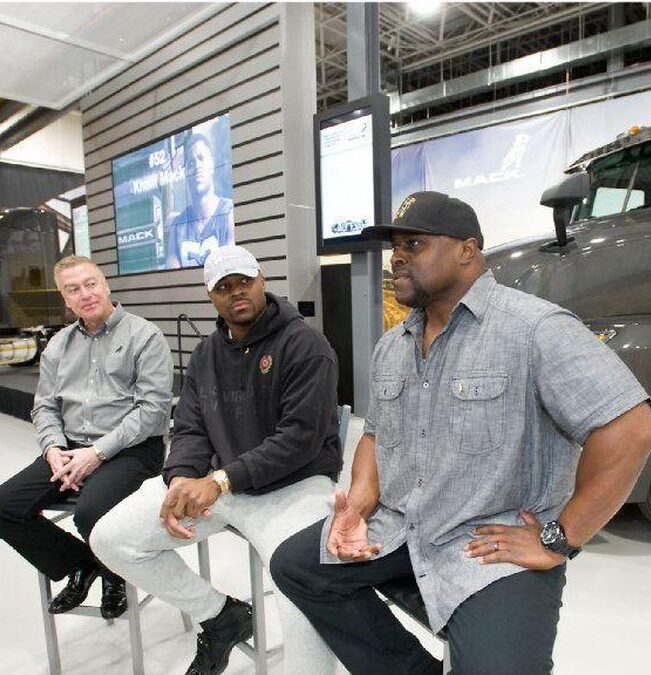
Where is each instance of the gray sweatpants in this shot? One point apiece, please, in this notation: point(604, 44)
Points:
point(131, 540)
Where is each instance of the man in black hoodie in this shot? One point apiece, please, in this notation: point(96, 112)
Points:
point(255, 445)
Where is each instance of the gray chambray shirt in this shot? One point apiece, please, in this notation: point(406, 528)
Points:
point(491, 421)
point(112, 389)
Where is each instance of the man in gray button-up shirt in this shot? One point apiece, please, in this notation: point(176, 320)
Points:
point(501, 435)
point(100, 411)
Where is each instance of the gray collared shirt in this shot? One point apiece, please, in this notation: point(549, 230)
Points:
point(112, 389)
point(492, 420)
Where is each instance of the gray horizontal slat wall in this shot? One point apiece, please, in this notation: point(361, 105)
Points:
point(231, 62)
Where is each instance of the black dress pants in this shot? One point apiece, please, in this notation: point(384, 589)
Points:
point(507, 628)
point(53, 551)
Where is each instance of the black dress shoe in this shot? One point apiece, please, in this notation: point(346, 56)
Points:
point(76, 590)
point(214, 645)
point(114, 598)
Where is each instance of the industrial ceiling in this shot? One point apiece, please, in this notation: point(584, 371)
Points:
point(458, 39)
point(53, 53)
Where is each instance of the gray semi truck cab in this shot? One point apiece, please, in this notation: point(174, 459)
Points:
point(599, 263)
point(31, 309)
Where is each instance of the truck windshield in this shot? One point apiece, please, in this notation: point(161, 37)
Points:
point(620, 182)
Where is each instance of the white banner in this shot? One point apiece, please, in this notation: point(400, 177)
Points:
point(502, 170)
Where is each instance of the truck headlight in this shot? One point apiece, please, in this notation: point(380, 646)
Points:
point(605, 334)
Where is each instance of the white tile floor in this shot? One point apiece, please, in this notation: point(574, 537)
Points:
point(605, 624)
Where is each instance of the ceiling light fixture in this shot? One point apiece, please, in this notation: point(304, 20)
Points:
point(424, 7)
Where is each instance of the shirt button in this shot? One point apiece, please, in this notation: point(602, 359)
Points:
point(425, 384)
point(420, 482)
point(423, 433)
point(412, 527)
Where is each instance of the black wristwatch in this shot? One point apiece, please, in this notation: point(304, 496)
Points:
point(553, 539)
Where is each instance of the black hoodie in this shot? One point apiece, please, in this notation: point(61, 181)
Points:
point(264, 409)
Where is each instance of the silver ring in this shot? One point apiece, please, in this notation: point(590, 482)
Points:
point(496, 545)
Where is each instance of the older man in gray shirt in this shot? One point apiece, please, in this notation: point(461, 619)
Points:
point(100, 411)
point(501, 435)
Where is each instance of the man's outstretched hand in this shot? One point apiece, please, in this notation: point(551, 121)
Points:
point(347, 539)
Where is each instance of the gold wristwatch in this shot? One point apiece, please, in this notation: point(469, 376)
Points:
point(222, 481)
point(100, 455)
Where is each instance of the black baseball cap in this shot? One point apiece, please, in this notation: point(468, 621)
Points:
point(431, 213)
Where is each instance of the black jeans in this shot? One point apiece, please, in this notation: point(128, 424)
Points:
point(53, 551)
point(507, 628)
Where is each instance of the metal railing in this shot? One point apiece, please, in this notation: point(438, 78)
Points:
point(179, 320)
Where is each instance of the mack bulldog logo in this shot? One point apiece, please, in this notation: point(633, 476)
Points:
point(510, 167)
point(265, 363)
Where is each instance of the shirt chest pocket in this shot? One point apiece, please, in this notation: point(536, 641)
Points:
point(389, 403)
point(477, 412)
point(119, 369)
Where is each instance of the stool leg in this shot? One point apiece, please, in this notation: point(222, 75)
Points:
point(135, 634)
point(259, 623)
point(51, 640)
point(203, 552)
point(187, 622)
point(447, 666)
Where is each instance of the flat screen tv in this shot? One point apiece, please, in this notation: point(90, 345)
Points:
point(352, 145)
point(174, 198)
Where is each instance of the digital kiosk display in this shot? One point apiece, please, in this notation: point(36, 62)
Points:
point(353, 165)
point(80, 229)
point(174, 199)
point(347, 203)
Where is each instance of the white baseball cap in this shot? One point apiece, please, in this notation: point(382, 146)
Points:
point(227, 260)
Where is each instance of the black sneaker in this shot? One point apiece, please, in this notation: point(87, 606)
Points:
point(214, 645)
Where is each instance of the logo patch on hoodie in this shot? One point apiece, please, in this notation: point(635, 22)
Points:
point(265, 363)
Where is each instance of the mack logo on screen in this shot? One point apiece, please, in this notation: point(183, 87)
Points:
point(509, 169)
point(133, 237)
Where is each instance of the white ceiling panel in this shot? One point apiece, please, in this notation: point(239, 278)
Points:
point(42, 71)
point(106, 26)
point(54, 53)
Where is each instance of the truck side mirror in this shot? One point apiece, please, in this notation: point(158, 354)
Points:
point(572, 190)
